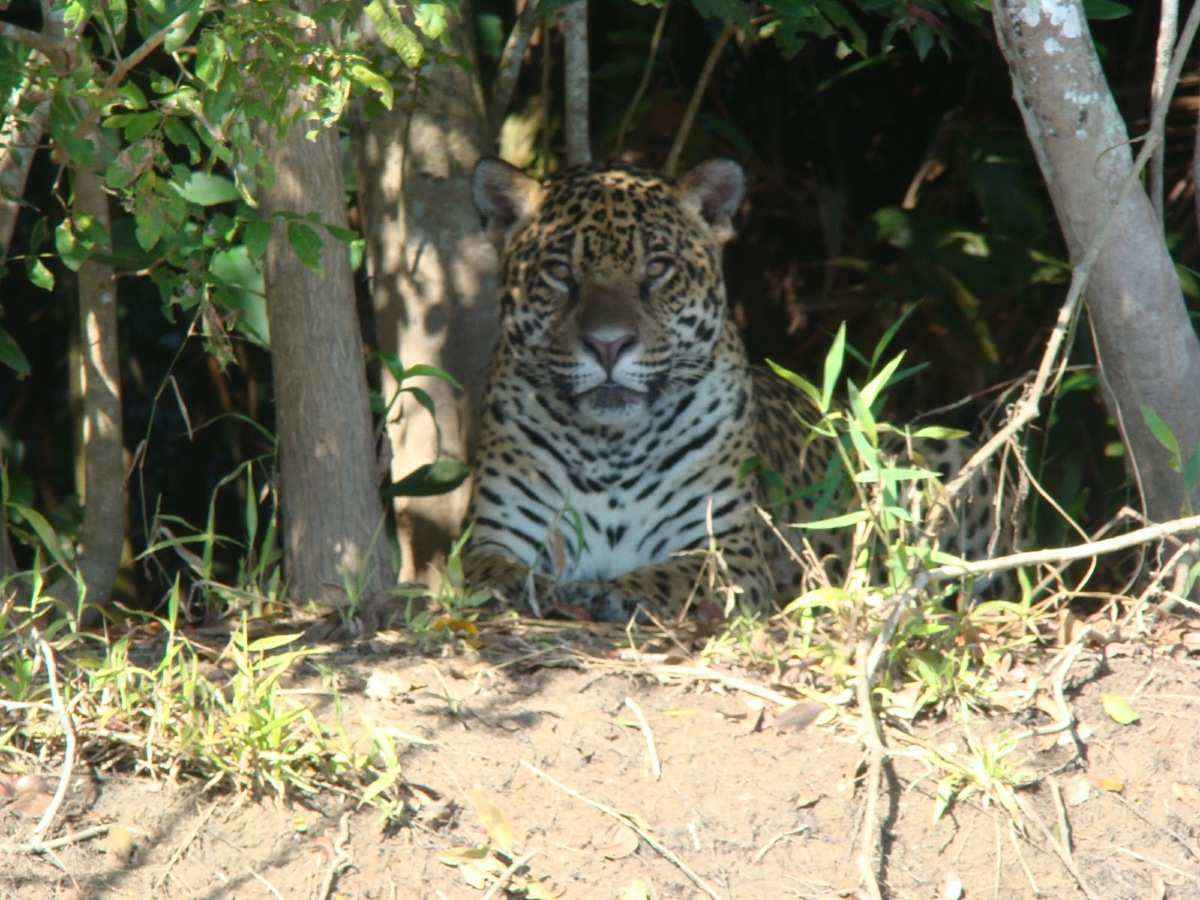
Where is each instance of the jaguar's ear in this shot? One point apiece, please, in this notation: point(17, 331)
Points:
point(503, 194)
point(714, 190)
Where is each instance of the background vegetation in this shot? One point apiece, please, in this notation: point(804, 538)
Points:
point(888, 170)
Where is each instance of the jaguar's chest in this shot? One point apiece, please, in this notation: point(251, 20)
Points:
point(617, 501)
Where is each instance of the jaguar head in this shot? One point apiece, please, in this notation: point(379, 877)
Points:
point(611, 288)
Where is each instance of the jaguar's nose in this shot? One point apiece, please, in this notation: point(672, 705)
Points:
point(607, 351)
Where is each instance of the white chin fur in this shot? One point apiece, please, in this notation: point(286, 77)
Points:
point(612, 406)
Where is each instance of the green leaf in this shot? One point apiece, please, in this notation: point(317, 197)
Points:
point(394, 33)
point(1117, 707)
point(178, 35)
point(850, 518)
point(38, 274)
point(257, 235)
point(1104, 9)
point(1163, 434)
point(805, 386)
point(70, 249)
point(833, 367)
point(431, 19)
point(892, 474)
point(178, 132)
point(371, 79)
point(941, 433)
point(439, 477)
point(272, 642)
point(730, 11)
point(206, 189)
point(46, 534)
point(431, 372)
point(1191, 474)
point(138, 125)
point(11, 355)
point(871, 392)
point(210, 58)
point(307, 244)
point(148, 227)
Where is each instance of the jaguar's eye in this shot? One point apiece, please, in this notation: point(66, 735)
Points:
point(557, 273)
point(659, 269)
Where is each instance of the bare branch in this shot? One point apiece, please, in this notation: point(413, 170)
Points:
point(19, 139)
point(689, 115)
point(1066, 554)
point(576, 83)
point(1168, 22)
point(510, 64)
point(152, 43)
point(53, 49)
point(64, 778)
point(1027, 408)
point(655, 40)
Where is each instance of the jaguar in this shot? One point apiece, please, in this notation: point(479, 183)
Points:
point(621, 412)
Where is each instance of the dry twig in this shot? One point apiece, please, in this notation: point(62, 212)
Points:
point(178, 852)
point(64, 778)
point(689, 114)
point(651, 750)
point(703, 673)
point(340, 858)
point(655, 40)
point(629, 822)
point(63, 841)
point(873, 740)
point(499, 883)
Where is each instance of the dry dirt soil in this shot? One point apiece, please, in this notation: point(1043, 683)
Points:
point(534, 745)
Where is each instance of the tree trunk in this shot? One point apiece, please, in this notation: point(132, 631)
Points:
point(98, 376)
point(432, 279)
point(1148, 352)
point(19, 139)
point(576, 83)
point(333, 526)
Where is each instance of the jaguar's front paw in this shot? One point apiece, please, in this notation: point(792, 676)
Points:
point(602, 600)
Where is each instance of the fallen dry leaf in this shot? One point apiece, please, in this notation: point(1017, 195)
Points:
point(31, 784)
point(118, 843)
point(1076, 791)
point(1108, 783)
point(494, 821)
point(32, 805)
point(616, 841)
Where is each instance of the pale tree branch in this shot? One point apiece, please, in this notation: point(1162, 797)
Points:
point(19, 139)
point(509, 67)
point(1168, 22)
point(1092, 181)
point(576, 83)
point(689, 114)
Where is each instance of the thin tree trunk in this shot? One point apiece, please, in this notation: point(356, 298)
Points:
point(576, 79)
point(335, 544)
point(101, 488)
point(432, 279)
point(19, 140)
point(98, 379)
point(1148, 352)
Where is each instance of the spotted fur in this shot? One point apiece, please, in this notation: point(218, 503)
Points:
point(620, 404)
